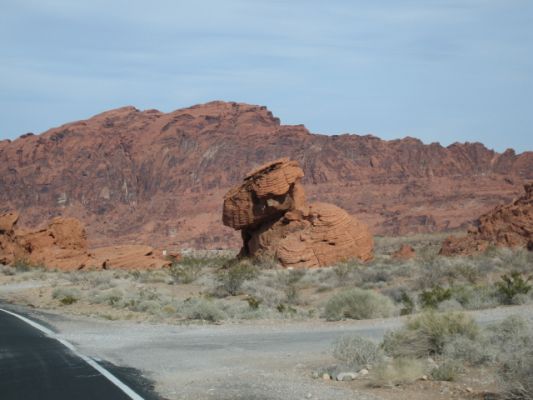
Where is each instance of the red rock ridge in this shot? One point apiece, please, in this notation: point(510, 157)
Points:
point(159, 178)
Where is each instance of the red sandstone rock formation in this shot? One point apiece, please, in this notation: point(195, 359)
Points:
point(9, 249)
point(405, 252)
point(159, 178)
point(271, 211)
point(509, 225)
point(62, 244)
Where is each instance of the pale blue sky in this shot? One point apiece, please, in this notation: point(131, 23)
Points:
point(438, 70)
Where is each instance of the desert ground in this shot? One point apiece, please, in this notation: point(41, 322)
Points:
point(213, 327)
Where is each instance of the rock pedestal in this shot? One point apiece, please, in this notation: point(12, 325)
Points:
point(271, 211)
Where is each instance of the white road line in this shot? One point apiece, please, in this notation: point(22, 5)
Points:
point(112, 378)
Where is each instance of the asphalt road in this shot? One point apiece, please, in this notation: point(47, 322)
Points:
point(36, 366)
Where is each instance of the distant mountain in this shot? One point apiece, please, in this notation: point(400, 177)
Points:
point(159, 178)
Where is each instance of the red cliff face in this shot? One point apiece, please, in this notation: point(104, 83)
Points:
point(160, 178)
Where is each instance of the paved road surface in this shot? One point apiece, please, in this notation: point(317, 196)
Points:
point(247, 361)
point(35, 366)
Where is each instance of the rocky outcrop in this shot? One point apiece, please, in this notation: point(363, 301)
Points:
point(271, 211)
point(128, 257)
point(405, 252)
point(62, 244)
point(9, 248)
point(509, 225)
point(135, 176)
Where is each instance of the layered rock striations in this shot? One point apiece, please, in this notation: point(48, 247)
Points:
point(509, 225)
point(159, 178)
point(271, 211)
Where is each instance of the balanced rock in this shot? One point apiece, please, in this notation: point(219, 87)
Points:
point(271, 211)
point(509, 225)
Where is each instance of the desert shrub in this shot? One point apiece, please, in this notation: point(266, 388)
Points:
point(66, 296)
point(154, 276)
point(356, 351)
point(253, 302)
point(437, 271)
point(511, 285)
point(474, 352)
point(516, 374)
point(7, 270)
point(448, 371)
point(432, 298)
point(268, 296)
point(201, 309)
point(234, 275)
point(358, 304)
point(408, 304)
point(426, 334)
point(469, 271)
point(184, 273)
point(147, 300)
point(24, 265)
point(513, 338)
point(265, 262)
point(449, 305)
point(342, 272)
point(289, 283)
point(510, 336)
point(111, 297)
point(397, 372)
point(475, 297)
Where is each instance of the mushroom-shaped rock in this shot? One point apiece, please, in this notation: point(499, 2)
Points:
point(267, 193)
point(271, 211)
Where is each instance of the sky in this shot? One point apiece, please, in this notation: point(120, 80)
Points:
point(439, 70)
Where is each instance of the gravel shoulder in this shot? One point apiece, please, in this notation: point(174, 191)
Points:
point(267, 360)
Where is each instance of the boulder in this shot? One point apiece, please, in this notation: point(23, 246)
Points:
point(405, 252)
point(62, 244)
point(509, 225)
point(271, 211)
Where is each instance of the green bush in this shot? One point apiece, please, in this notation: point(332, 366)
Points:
point(407, 303)
point(512, 285)
point(426, 334)
point(356, 351)
point(432, 298)
point(253, 302)
point(184, 273)
point(234, 275)
point(358, 304)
